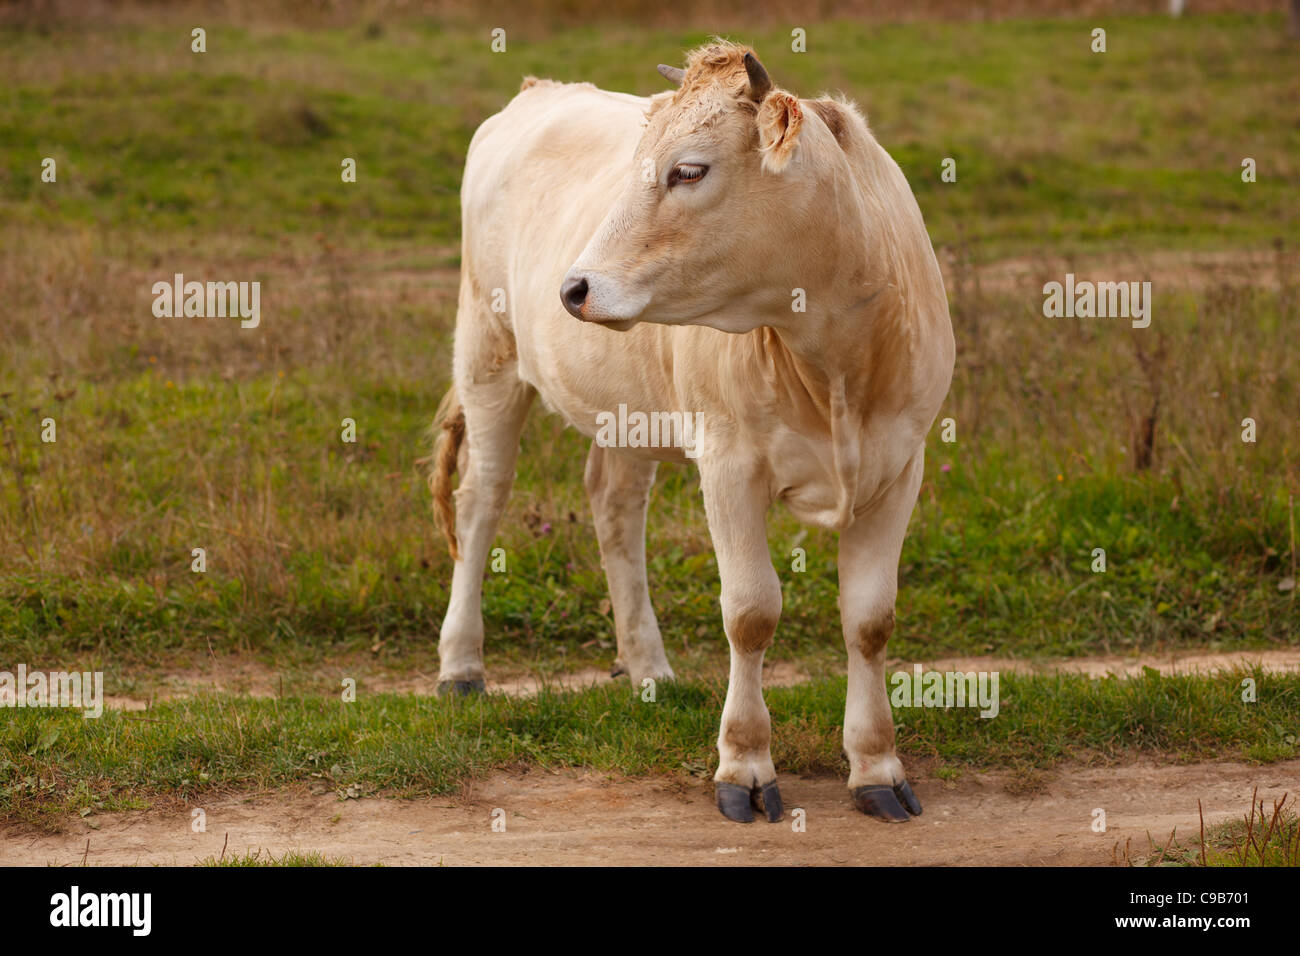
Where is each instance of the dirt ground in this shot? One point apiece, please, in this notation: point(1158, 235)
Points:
point(258, 680)
point(564, 819)
point(574, 818)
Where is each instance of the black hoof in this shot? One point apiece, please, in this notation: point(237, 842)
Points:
point(617, 669)
point(907, 798)
point(733, 801)
point(739, 803)
point(771, 799)
point(461, 688)
point(880, 801)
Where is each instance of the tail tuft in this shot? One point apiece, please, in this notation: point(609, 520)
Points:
point(449, 424)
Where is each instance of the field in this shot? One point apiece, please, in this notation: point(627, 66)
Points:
point(322, 563)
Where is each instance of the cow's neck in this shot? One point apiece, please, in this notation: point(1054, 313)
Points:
point(870, 288)
point(846, 356)
point(835, 368)
point(859, 326)
point(866, 281)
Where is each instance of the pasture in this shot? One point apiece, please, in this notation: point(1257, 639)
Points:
point(321, 562)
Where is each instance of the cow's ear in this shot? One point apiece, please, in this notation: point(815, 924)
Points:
point(780, 118)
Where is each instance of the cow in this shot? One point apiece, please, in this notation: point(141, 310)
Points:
point(723, 249)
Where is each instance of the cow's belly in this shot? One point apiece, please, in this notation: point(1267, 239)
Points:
point(610, 386)
point(594, 377)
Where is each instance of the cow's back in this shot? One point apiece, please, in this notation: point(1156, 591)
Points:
point(541, 173)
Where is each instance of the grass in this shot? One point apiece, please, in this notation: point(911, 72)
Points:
point(193, 433)
point(316, 548)
point(1140, 146)
point(179, 434)
point(289, 858)
point(52, 763)
point(1261, 838)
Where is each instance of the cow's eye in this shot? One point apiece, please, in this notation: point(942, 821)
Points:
point(686, 173)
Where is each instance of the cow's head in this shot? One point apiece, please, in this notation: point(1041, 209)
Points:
point(722, 213)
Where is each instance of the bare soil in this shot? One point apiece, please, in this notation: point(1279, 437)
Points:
point(575, 818)
point(243, 676)
point(1165, 268)
point(564, 819)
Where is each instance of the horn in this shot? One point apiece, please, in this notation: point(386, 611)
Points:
point(759, 82)
point(673, 74)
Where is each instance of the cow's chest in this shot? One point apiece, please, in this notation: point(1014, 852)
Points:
point(804, 476)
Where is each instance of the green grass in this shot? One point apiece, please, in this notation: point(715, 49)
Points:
point(193, 433)
point(55, 762)
point(177, 434)
point(1141, 145)
point(316, 548)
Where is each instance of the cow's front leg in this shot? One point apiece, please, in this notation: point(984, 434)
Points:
point(868, 566)
point(736, 502)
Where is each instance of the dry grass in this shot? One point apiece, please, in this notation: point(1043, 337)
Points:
point(184, 433)
point(375, 13)
point(244, 427)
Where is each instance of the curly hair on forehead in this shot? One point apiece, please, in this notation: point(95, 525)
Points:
point(716, 62)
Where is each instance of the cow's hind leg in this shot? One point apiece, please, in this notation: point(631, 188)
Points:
point(868, 566)
point(736, 505)
point(619, 488)
point(495, 405)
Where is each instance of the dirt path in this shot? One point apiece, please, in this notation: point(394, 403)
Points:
point(1182, 663)
point(259, 680)
point(557, 819)
point(576, 818)
point(1164, 268)
point(410, 273)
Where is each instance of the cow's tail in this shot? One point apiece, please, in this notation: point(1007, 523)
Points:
point(449, 429)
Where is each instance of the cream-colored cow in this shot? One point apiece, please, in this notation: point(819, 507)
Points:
point(729, 251)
